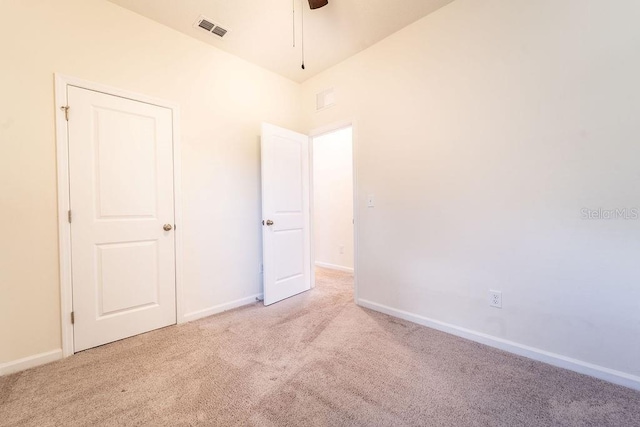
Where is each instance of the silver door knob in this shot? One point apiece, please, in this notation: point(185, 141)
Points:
point(269, 222)
point(167, 227)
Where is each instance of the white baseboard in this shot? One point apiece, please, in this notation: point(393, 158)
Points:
point(220, 308)
point(606, 374)
point(30, 362)
point(334, 267)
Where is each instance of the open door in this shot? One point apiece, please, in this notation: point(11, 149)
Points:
point(285, 213)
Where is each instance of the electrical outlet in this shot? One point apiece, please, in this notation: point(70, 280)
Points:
point(495, 299)
point(371, 201)
point(341, 249)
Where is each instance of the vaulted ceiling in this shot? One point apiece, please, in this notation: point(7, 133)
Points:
point(262, 31)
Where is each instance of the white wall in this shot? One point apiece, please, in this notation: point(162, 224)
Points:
point(333, 200)
point(223, 101)
point(483, 130)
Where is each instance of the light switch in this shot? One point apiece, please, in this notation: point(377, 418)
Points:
point(370, 201)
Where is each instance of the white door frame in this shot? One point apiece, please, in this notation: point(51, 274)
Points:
point(314, 134)
point(64, 228)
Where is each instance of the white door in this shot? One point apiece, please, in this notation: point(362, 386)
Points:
point(285, 211)
point(122, 207)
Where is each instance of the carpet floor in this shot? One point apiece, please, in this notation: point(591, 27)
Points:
point(315, 359)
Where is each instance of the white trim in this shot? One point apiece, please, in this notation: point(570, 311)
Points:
point(64, 228)
point(312, 224)
point(606, 374)
point(30, 362)
point(356, 216)
point(333, 127)
point(177, 216)
point(66, 80)
point(199, 314)
point(334, 267)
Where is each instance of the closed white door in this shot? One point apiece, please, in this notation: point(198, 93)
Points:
point(285, 213)
point(122, 211)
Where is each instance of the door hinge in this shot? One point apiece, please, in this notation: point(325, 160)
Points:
point(69, 216)
point(73, 318)
point(65, 108)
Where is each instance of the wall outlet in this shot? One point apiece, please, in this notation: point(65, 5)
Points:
point(371, 201)
point(341, 247)
point(495, 299)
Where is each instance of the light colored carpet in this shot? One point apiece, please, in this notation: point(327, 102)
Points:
point(313, 360)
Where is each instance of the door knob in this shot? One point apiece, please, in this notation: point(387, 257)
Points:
point(167, 227)
point(269, 222)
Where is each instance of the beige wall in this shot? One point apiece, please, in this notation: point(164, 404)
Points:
point(333, 199)
point(223, 100)
point(483, 130)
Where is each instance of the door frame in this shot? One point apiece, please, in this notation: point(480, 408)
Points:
point(316, 132)
point(62, 82)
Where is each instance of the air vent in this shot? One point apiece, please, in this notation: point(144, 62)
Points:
point(211, 27)
point(325, 99)
point(219, 31)
point(206, 25)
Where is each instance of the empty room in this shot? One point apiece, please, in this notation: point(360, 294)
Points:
point(320, 213)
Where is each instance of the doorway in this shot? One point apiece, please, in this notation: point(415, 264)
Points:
point(298, 232)
point(333, 200)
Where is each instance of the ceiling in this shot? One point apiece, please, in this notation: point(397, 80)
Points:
point(262, 31)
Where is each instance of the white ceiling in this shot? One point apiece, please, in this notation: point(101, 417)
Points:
point(262, 31)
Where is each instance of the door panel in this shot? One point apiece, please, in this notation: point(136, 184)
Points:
point(287, 172)
point(121, 186)
point(285, 201)
point(129, 139)
point(289, 242)
point(127, 276)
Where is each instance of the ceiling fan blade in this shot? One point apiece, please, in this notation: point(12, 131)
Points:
point(315, 4)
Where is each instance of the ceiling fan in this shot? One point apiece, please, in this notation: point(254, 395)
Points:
point(316, 4)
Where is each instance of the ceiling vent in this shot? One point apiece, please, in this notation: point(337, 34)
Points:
point(210, 27)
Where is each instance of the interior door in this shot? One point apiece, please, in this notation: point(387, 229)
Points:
point(285, 213)
point(122, 217)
